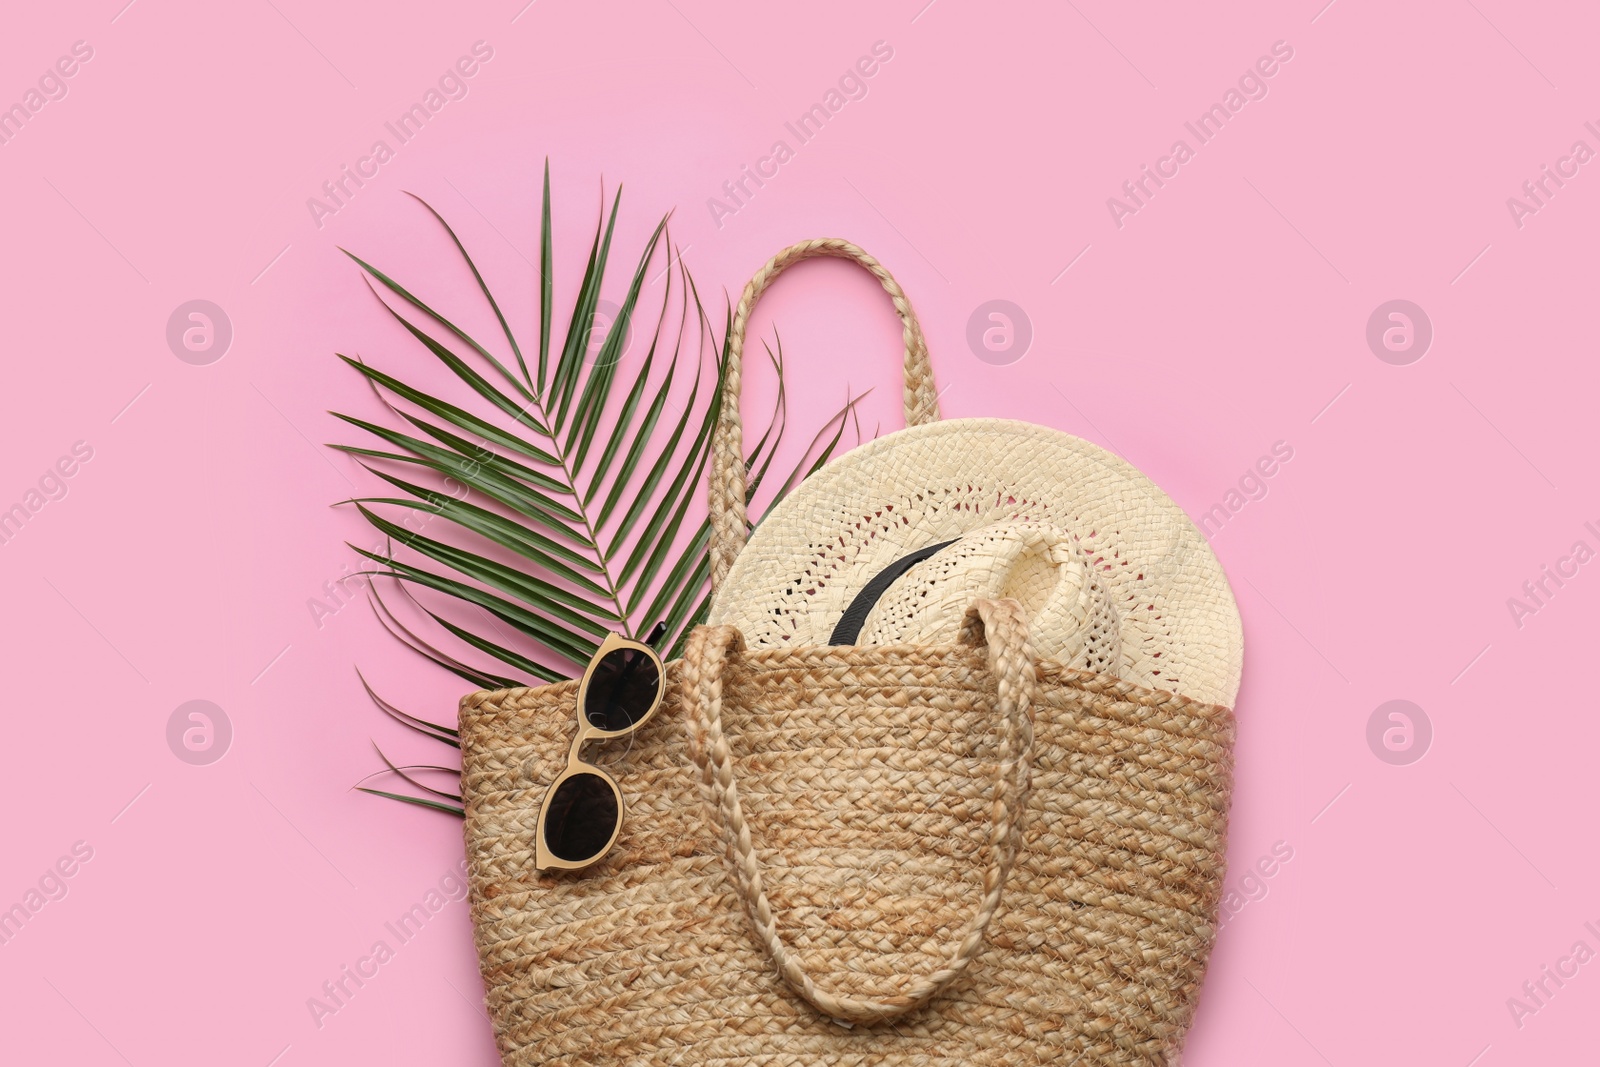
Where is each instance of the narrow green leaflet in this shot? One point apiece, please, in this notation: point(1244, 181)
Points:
point(454, 415)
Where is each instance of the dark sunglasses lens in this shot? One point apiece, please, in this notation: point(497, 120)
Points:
point(580, 817)
point(621, 690)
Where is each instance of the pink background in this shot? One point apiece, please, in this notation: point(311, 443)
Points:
point(1228, 314)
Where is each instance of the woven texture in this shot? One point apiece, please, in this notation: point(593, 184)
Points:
point(1012, 668)
point(867, 781)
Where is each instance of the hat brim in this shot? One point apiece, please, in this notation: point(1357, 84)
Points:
point(811, 554)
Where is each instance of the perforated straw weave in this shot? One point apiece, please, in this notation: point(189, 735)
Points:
point(952, 853)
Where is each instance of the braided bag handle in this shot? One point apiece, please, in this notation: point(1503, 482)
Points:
point(730, 527)
point(1011, 662)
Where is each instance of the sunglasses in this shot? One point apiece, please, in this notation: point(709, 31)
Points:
point(581, 817)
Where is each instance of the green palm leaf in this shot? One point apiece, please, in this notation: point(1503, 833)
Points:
point(559, 504)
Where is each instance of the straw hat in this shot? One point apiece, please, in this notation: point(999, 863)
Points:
point(892, 542)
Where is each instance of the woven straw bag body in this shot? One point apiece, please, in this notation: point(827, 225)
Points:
point(942, 854)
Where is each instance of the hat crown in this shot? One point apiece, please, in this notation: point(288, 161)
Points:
point(1038, 564)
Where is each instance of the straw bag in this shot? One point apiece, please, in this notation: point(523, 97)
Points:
point(958, 853)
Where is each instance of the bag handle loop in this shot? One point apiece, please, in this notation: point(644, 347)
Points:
point(729, 524)
point(1011, 662)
